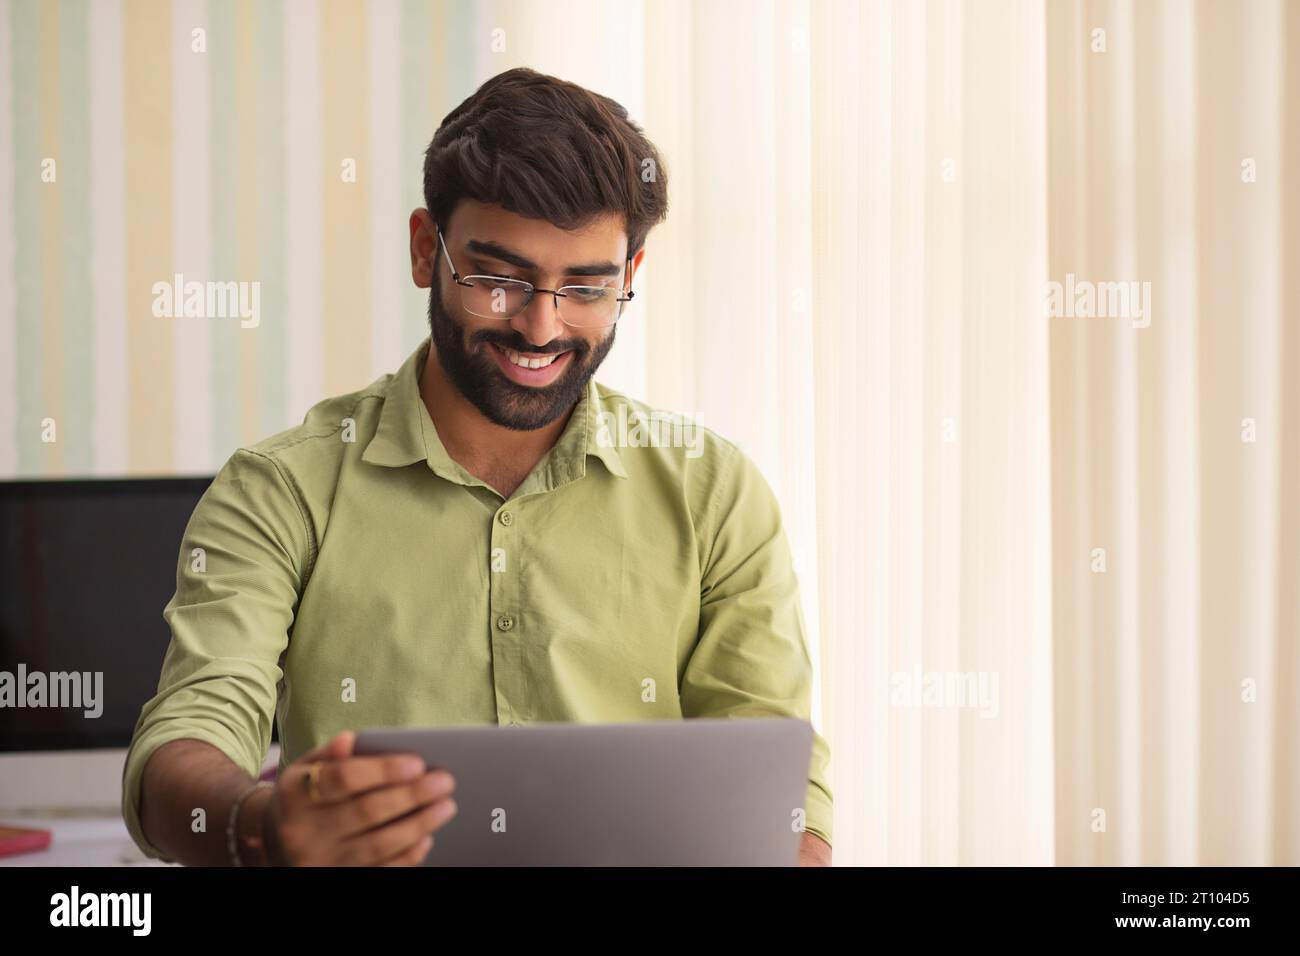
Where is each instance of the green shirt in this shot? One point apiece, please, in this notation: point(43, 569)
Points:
point(348, 573)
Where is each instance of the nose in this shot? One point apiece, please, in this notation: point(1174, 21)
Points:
point(540, 323)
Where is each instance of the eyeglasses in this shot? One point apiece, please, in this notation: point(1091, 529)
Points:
point(496, 297)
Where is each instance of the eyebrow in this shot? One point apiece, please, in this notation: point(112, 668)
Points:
point(496, 251)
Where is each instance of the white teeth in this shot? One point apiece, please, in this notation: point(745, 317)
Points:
point(518, 359)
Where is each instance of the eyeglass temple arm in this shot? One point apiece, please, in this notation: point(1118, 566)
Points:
point(627, 265)
point(446, 255)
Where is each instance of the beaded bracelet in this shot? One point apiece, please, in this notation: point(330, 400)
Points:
point(232, 843)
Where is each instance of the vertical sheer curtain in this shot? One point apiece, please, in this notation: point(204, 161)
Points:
point(1176, 447)
point(850, 284)
point(869, 201)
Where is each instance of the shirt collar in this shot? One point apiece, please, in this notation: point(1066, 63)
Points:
point(406, 434)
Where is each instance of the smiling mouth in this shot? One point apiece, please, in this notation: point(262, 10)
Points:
point(535, 369)
point(530, 359)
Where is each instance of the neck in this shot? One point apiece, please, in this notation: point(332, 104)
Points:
point(469, 436)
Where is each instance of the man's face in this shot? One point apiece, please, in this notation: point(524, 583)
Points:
point(481, 355)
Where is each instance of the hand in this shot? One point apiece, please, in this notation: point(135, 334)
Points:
point(814, 851)
point(373, 811)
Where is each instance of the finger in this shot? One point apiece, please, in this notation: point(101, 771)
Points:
point(385, 804)
point(337, 747)
point(414, 856)
point(387, 841)
point(340, 746)
point(341, 780)
point(296, 777)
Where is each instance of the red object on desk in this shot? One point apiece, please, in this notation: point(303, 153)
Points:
point(22, 840)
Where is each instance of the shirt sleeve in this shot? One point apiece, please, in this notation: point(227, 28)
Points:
point(238, 577)
point(752, 654)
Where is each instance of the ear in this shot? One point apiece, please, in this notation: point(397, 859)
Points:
point(424, 248)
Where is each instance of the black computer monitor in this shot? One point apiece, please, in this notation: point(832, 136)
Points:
point(86, 568)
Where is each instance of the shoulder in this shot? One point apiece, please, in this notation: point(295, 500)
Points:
point(679, 453)
point(327, 427)
point(662, 438)
point(310, 457)
point(297, 470)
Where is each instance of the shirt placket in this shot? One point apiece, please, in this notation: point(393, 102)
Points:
point(505, 615)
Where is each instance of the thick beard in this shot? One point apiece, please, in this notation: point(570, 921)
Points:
point(507, 403)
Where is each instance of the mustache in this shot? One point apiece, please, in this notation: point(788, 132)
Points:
point(518, 344)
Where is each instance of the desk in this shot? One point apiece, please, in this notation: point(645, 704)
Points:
point(86, 840)
point(37, 788)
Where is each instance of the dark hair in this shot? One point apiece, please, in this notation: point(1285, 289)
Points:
point(545, 148)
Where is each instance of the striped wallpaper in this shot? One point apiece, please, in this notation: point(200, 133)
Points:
point(145, 139)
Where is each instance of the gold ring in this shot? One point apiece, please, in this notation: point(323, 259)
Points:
point(312, 781)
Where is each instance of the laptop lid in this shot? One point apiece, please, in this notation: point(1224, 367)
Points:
point(697, 792)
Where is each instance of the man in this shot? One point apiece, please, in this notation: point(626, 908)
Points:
point(469, 540)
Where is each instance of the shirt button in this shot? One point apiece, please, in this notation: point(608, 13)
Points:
point(507, 518)
point(505, 622)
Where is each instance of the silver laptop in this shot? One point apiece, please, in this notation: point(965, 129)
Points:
point(699, 792)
